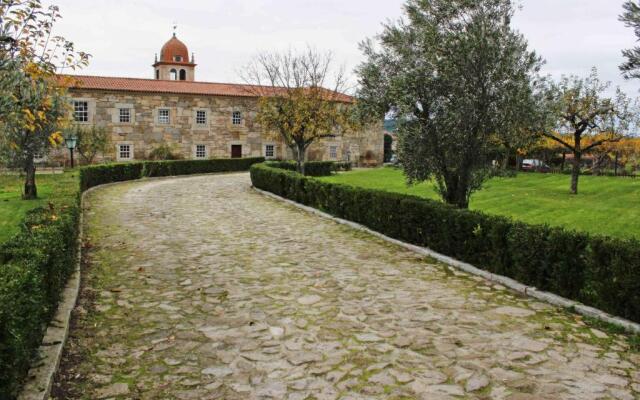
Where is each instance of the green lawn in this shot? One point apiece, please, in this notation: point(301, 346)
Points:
point(604, 205)
point(59, 189)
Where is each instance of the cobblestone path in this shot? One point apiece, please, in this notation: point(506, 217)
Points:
point(200, 288)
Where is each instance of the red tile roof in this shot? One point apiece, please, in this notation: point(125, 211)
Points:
point(173, 87)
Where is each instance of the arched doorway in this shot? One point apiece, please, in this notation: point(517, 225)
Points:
point(183, 75)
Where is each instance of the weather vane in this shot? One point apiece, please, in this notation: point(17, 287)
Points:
point(175, 26)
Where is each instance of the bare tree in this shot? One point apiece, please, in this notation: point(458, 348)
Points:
point(301, 97)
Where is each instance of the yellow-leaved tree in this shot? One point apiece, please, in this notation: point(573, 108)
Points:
point(301, 98)
point(33, 108)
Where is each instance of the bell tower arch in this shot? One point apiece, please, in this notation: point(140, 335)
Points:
point(174, 63)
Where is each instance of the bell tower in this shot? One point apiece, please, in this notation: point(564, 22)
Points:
point(174, 63)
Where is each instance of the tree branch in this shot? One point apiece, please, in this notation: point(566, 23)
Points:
point(559, 140)
point(600, 142)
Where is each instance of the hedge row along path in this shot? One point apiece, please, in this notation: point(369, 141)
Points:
point(201, 288)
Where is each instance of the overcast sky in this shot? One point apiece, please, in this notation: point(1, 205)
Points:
point(124, 35)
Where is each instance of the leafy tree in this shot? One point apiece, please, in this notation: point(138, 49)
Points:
point(31, 101)
point(295, 102)
point(91, 141)
point(42, 110)
point(457, 77)
point(631, 18)
point(581, 111)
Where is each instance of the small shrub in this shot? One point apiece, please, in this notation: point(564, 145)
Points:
point(342, 166)
point(598, 271)
point(164, 152)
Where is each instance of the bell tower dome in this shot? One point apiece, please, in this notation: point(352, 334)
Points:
point(174, 63)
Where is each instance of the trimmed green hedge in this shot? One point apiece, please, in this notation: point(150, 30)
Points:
point(34, 268)
point(598, 271)
point(311, 168)
point(107, 173)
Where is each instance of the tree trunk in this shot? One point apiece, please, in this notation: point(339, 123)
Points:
point(30, 189)
point(456, 194)
point(615, 166)
point(577, 157)
point(575, 172)
point(300, 159)
point(505, 161)
point(564, 159)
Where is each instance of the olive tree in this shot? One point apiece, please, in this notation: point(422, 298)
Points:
point(457, 77)
point(631, 18)
point(301, 98)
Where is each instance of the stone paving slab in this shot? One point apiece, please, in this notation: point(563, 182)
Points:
point(200, 288)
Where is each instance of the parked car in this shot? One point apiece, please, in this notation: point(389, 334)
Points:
point(534, 165)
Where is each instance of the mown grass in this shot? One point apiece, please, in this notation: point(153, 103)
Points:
point(605, 205)
point(58, 189)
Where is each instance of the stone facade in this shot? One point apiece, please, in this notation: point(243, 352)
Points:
point(146, 130)
point(196, 119)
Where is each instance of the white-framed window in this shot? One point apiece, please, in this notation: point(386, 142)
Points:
point(81, 111)
point(333, 152)
point(125, 115)
point(201, 117)
point(163, 116)
point(236, 118)
point(201, 151)
point(177, 58)
point(269, 151)
point(125, 152)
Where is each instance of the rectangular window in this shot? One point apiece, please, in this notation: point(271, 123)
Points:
point(201, 151)
point(269, 151)
point(163, 116)
point(125, 115)
point(81, 111)
point(333, 152)
point(201, 117)
point(236, 118)
point(124, 151)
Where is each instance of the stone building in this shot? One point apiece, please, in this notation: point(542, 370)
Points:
point(198, 120)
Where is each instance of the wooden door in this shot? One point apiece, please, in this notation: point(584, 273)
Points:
point(236, 151)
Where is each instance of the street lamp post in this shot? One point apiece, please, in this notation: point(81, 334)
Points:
point(71, 141)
